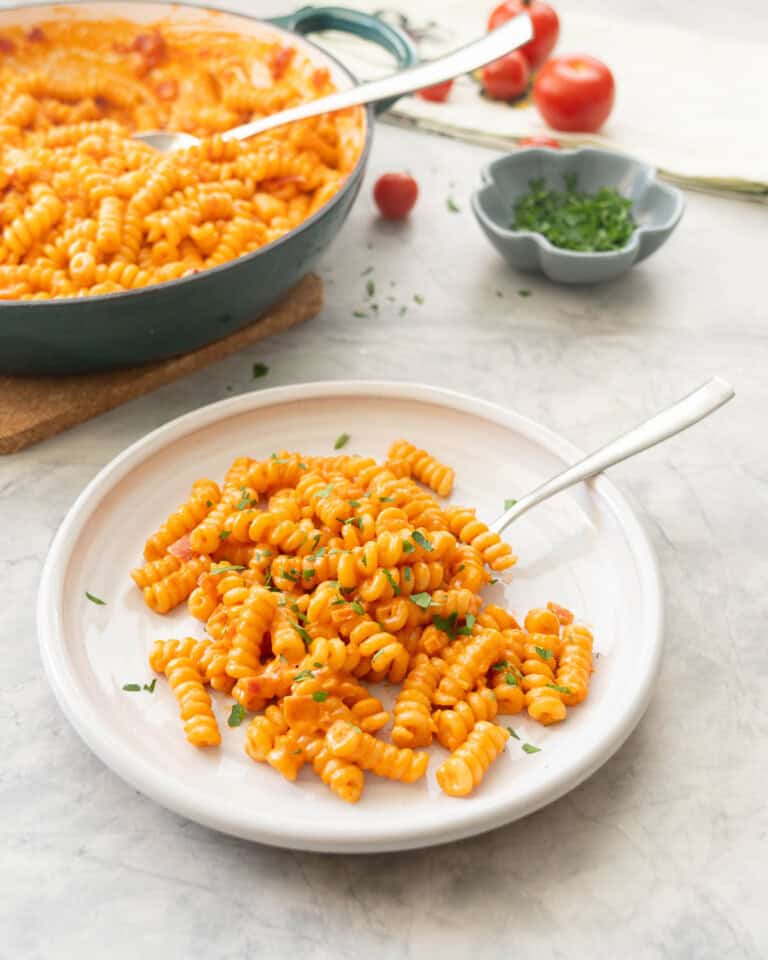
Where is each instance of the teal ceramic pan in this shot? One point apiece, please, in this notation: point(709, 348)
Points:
point(76, 335)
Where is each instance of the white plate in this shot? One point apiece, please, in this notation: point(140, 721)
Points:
point(584, 549)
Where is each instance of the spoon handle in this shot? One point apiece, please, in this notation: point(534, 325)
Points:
point(681, 415)
point(493, 45)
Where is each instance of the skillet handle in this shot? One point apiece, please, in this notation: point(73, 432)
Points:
point(364, 25)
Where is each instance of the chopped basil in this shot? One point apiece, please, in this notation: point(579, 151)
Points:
point(302, 633)
point(407, 574)
point(96, 600)
point(392, 582)
point(408, 547)
point(225, 568)
point(224, 534)
point(529, 748)
point(304, 675)
point(341, 441)
point(508, 504)
point(150, 687)
point(259, 370)
point(245, 500)
point(501, 665)
point(544, 653)
point(510, 679)
point(358, 607)
point(555, 686)
point(422, 600)
point(320, 696)
point(512, 733)
point(132, 687)
point(422, 541)
point(364, 560)
point(308, 574)
point(236, 715)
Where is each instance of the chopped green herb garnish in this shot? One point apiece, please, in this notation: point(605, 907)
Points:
point(524, 293)
point(324, 492)
point(358, 607)
point(501, 665)
point(225, 568)
point(452, 205)
point(290, 575)
point(268, 579)
point(354, 521)
point(303, 466)
point(296, 751)
point(422, 600)
point(318, 664)
point(529, 748)
point(236, 715)
point(320, 696)
point(446, 624)
point(245, 499)
point(224, 534)
point(338, 603)
point(408, 547)
point(386, 499)
point(341, 441)
point(573, 220)
point(508, 504)
point(554, 686)
point(422, 541)
point(302, 633)
point(364, 560)
point(132, 687)
point(308, 574)
point(353, 503)
point(512, 733)
point(96, 600)
point(283, 658)
point(407, 574)
point(544, 653)
point(417, 298)
point(403, 310)
point(366, 271)
point(392, 582)
point(360, 314)
point(370, 288)
point(150, 687)
point(259, 370)
point(209, 503)
point(470, 621)
point(304, 675)
point(510, 679)
point(493, 580)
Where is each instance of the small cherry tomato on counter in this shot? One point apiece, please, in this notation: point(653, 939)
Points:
point(438, 93)
point(506, 78)
point(546, 27)
point(574, 93)
point(540, 142)
point(395, 195)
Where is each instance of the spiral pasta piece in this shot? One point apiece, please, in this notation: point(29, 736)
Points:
point(575, 664)
point(347, 742)
point(465, 525)
point(424, 467)
point(155, 570)
point(467, 765)
point(345, 779)
point(455, 724)
point(163, 651)
point(262, 732)
point(258, 610)
point(413, 724)
point(472, 663)
point(200, 726)
point(174, 588)
point(205, 493)
point(544, 700)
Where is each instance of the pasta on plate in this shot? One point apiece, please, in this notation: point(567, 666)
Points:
point(86, 210)
point(319, 576)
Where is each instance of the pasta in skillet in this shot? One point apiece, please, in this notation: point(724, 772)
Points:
point(84, 209)
point(350, 575)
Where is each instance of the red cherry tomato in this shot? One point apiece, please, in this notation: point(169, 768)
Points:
point(546, 27)
point(438, 93)
point(395, 195)
point(540, 142)
point(574, 93)
point(506, 78)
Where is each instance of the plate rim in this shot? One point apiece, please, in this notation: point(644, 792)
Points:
point(165, 789)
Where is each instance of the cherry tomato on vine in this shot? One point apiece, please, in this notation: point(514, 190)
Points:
point(395, 195)
point(506, 78)
point(540, 142)
point(574, 93)
point(438, 93)
point(546, 27)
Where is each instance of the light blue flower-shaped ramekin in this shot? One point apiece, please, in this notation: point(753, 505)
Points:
point(656, 208)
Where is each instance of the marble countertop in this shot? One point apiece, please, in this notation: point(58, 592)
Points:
point(662, 852)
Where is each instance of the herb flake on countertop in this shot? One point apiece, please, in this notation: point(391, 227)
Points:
point(370, 288)
point(97, 600)
point(524, 293)
point(417, 298)
point(341, 441)
point(259, 370)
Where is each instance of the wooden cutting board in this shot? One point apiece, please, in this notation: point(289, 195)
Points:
point(34, 408)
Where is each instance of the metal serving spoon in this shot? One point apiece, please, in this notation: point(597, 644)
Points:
point(673, 419)
point(493, 45)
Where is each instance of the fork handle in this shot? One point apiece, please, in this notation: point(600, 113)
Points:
point(681, 415)
point(492, 46)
